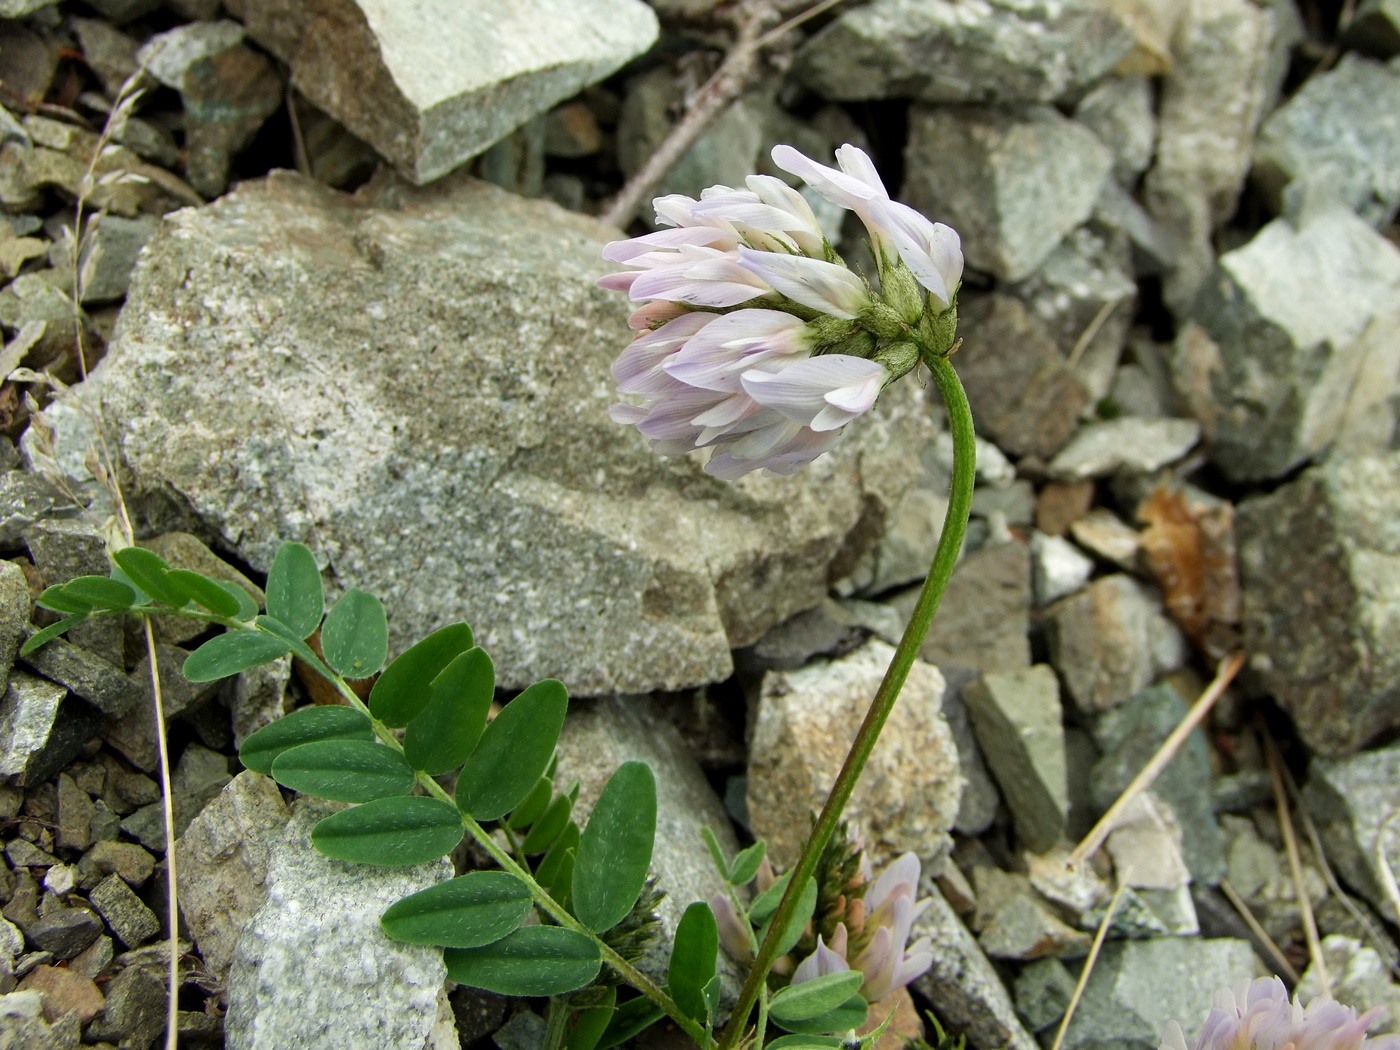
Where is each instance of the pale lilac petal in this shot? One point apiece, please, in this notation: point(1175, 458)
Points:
point(903, 869)
point(821, 962)
point(714, 287)
point(625, 251)
point(1173, 1038)
point(648, 315)
point(856, 163)
point(932, 251)
point(733, 931)
point(639, 368)
point(821, 285)
point(916, 963)
point(626, 414)
point(837, 186)
point(736, 341)
point(618, 282)
point(806, 446)
point(803, 391)
point(877, 962)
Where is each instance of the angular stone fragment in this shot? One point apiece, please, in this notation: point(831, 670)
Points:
point(1129, 443)
point(27, 714)
point(1110, 640)
point(1058, 567)
point(1338, 136)
point(1017, 719)
point(64, 992)
point(1270, 366)
point(64, 931)
point(104, 685)
point(1012, 183)
point(125, 914)
point(1023, 928)
point(1120, 112)
point(1352, 800)
point(907, 798)
point(324, 978)
point(1027, 400)
point(432, 84)
point(461, 464)
point(75, 812)
point(1320, 568)
point(135, 1011)
point(1002, 51)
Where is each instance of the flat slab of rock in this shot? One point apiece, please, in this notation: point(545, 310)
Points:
point(1320, 568)
point(1353, 800)
point(313, 967)
point(435, 82)
point(416, 383)
point(1131, 443)
point(907, 798)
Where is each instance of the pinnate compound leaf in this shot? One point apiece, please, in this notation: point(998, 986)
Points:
point(344, 770)
point(558, 862)
point(807, 1042)
point(204, 590)
point(513, 752)
point(632, 1017)
point(49, 633)
point(853, 1013)
point(119, 575)
point(614, 854)
point(806, 905)
point(592, 1023)
point(533, 805)
point(304, 726)
point(231, 652)
point(88, 592)
point(390, 831)
point(148, 570)
point(469, 911)
point(295, 594)
point(443, 733)
point(402, 691)
point(550, 826)
point(534, 960)
point(815, 997)
point(747, 863)
point(693, 960)
point(766, 903)
point(57, 599)
point(355, 636)
point(247, 607)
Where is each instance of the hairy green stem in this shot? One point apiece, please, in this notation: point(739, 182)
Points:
point(944, 559)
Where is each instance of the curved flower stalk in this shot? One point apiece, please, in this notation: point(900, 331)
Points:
point(1259, 1016)
point(757, 341)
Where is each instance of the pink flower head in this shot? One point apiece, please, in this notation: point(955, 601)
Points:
point(1258, 1015)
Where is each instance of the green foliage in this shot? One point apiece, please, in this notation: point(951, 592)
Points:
point(344, 770)
point(693, 961)
point(614, 854)
point(555, 871)
point(355, 636)
point(852, 1013)
point(262, 749)
point(232, 652)
point(716, 854)
point(634, 936)
point(52, 631)
point(398, 696)
point(148, 570)
point(631, 1018)
point(592, 1023)
point(814, 998)
point(295, 595)
point(534, 804)
point(474, 909)
point(552, 822)
point(393, 832)
point(807, 1042)
point(513, 752)
point(86, 593)
point(746, 863)
point(806, 905)
point(534, 960)
point(204, 590)
point(441, 735)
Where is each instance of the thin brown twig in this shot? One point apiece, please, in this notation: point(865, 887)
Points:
point(1158, 762)
point(728, 82)
point(1295, 864)
point(1099, 935)
point(1285, 967)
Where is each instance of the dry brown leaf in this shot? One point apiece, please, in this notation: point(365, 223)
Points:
point(1190, 548)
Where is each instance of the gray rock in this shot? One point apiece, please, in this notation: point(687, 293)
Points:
point(167, 56)
point(126, 859)
point(133, 923)
point(1111, 640)
point(1043, 991)
point(1017, 718)
point(258, 697)
point(1138, 986)
point(1352, 799)
point(1339, 135)
point(64, 931)
point(324, 978)
point(1084, 293)
point(980, 799)
point(825, 630)
point(123, 11)
point(135, 1012)
point(223, 856)
point(105, 686)
point(1219, 87)
point(969, 993)
point(1058, 567)
point(1320, 569)
point(1128, 736)
point(906, 800)
point(108, 52)
point(1129, 443)
point(75, 812)
point(598, 737)
point(227, 97)
point(984, 617)
point(1025, 928)
point(63, 549)
point(1271, 363)
point(1013, 183)
point(198, 778)
point(431, 86)
point(614, 591)
point(115, 243)
point(1120, 112)
point(1001, 51)
point(1015, 503)
point(27, 715)
point(1028, 401)
point(177, 693)
point(21, 8)
point(22, 1023)
point(1362, 981)
point(14, 613)
point(22, 853)
point(93, 960)
point(26, 498)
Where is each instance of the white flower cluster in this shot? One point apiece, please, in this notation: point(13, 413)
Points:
point(749, 319)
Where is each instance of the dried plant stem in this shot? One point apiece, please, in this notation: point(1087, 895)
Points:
point(1158, 762)
point(731, 80)
point(172, 910)
point(1295, 864)
point(1099, 935)
point(944, 559)
point(1262, 935)
point(1087, 336)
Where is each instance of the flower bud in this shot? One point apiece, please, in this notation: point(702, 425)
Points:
point(899, 358)
point(940, 330)
point(903, 292)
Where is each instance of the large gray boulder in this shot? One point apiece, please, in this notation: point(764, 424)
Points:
point(432, 83)
point(416, 383)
